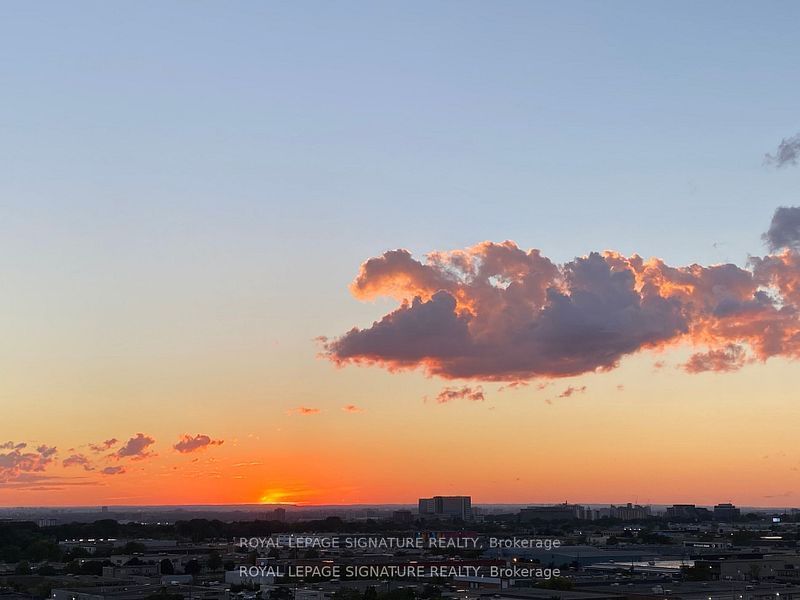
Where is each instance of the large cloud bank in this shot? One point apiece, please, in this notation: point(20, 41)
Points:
point(497, 312)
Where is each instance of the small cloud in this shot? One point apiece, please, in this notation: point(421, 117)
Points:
point(104, 446)
point(303, 411)
point(721, 360)
point(620, 387)
point(136, 448)
point(513, 386)
point(119, 470)
point(572, 390)
point(189, 444)
point(13, 446)
point(659, 364)
point(466, 392)
point(78, 460)
point(784, 229)
point(352, 408)
point(786, 153)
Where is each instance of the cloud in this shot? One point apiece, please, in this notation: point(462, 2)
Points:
point(42, 482)
point(572, 390)
point(78, 460)
point(17, 461)
point(513, 386)
point(104, 446)
point(730, 358)
point(449, 394)
point(136, 448)
point(784, 231)
point(786, 154)
point(13, 446)
point(189, 444)
point(118, 470)
point(352, 408)
point(304, 411)
point(497, 312)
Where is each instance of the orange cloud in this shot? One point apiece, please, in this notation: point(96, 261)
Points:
point(304, 411)
point(496, 312)
point(352, 408)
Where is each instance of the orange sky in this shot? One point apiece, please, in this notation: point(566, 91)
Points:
point(666, 436)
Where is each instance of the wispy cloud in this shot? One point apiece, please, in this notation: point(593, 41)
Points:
point(730, 358)
point(303, 411)
point(78, 460)
point(104, 446)
point(786, 154)
point(569, 391)
point(449, 394)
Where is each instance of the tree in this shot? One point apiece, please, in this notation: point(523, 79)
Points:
point(134, 548)
point(214, 561)
point(192, 567)
point(22, 568)
point(10, 554)
point(164, 595)
point(371, 593)
point(166, 567)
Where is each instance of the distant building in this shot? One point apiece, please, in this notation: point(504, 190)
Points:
point(688, 512)
point(726, 512)
point(629, 512)
point(454, 507)
point(402, 516)
point(558, 512)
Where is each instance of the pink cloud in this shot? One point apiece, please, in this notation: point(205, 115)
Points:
point(352, 408)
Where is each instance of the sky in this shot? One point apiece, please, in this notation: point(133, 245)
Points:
point(190, 189)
